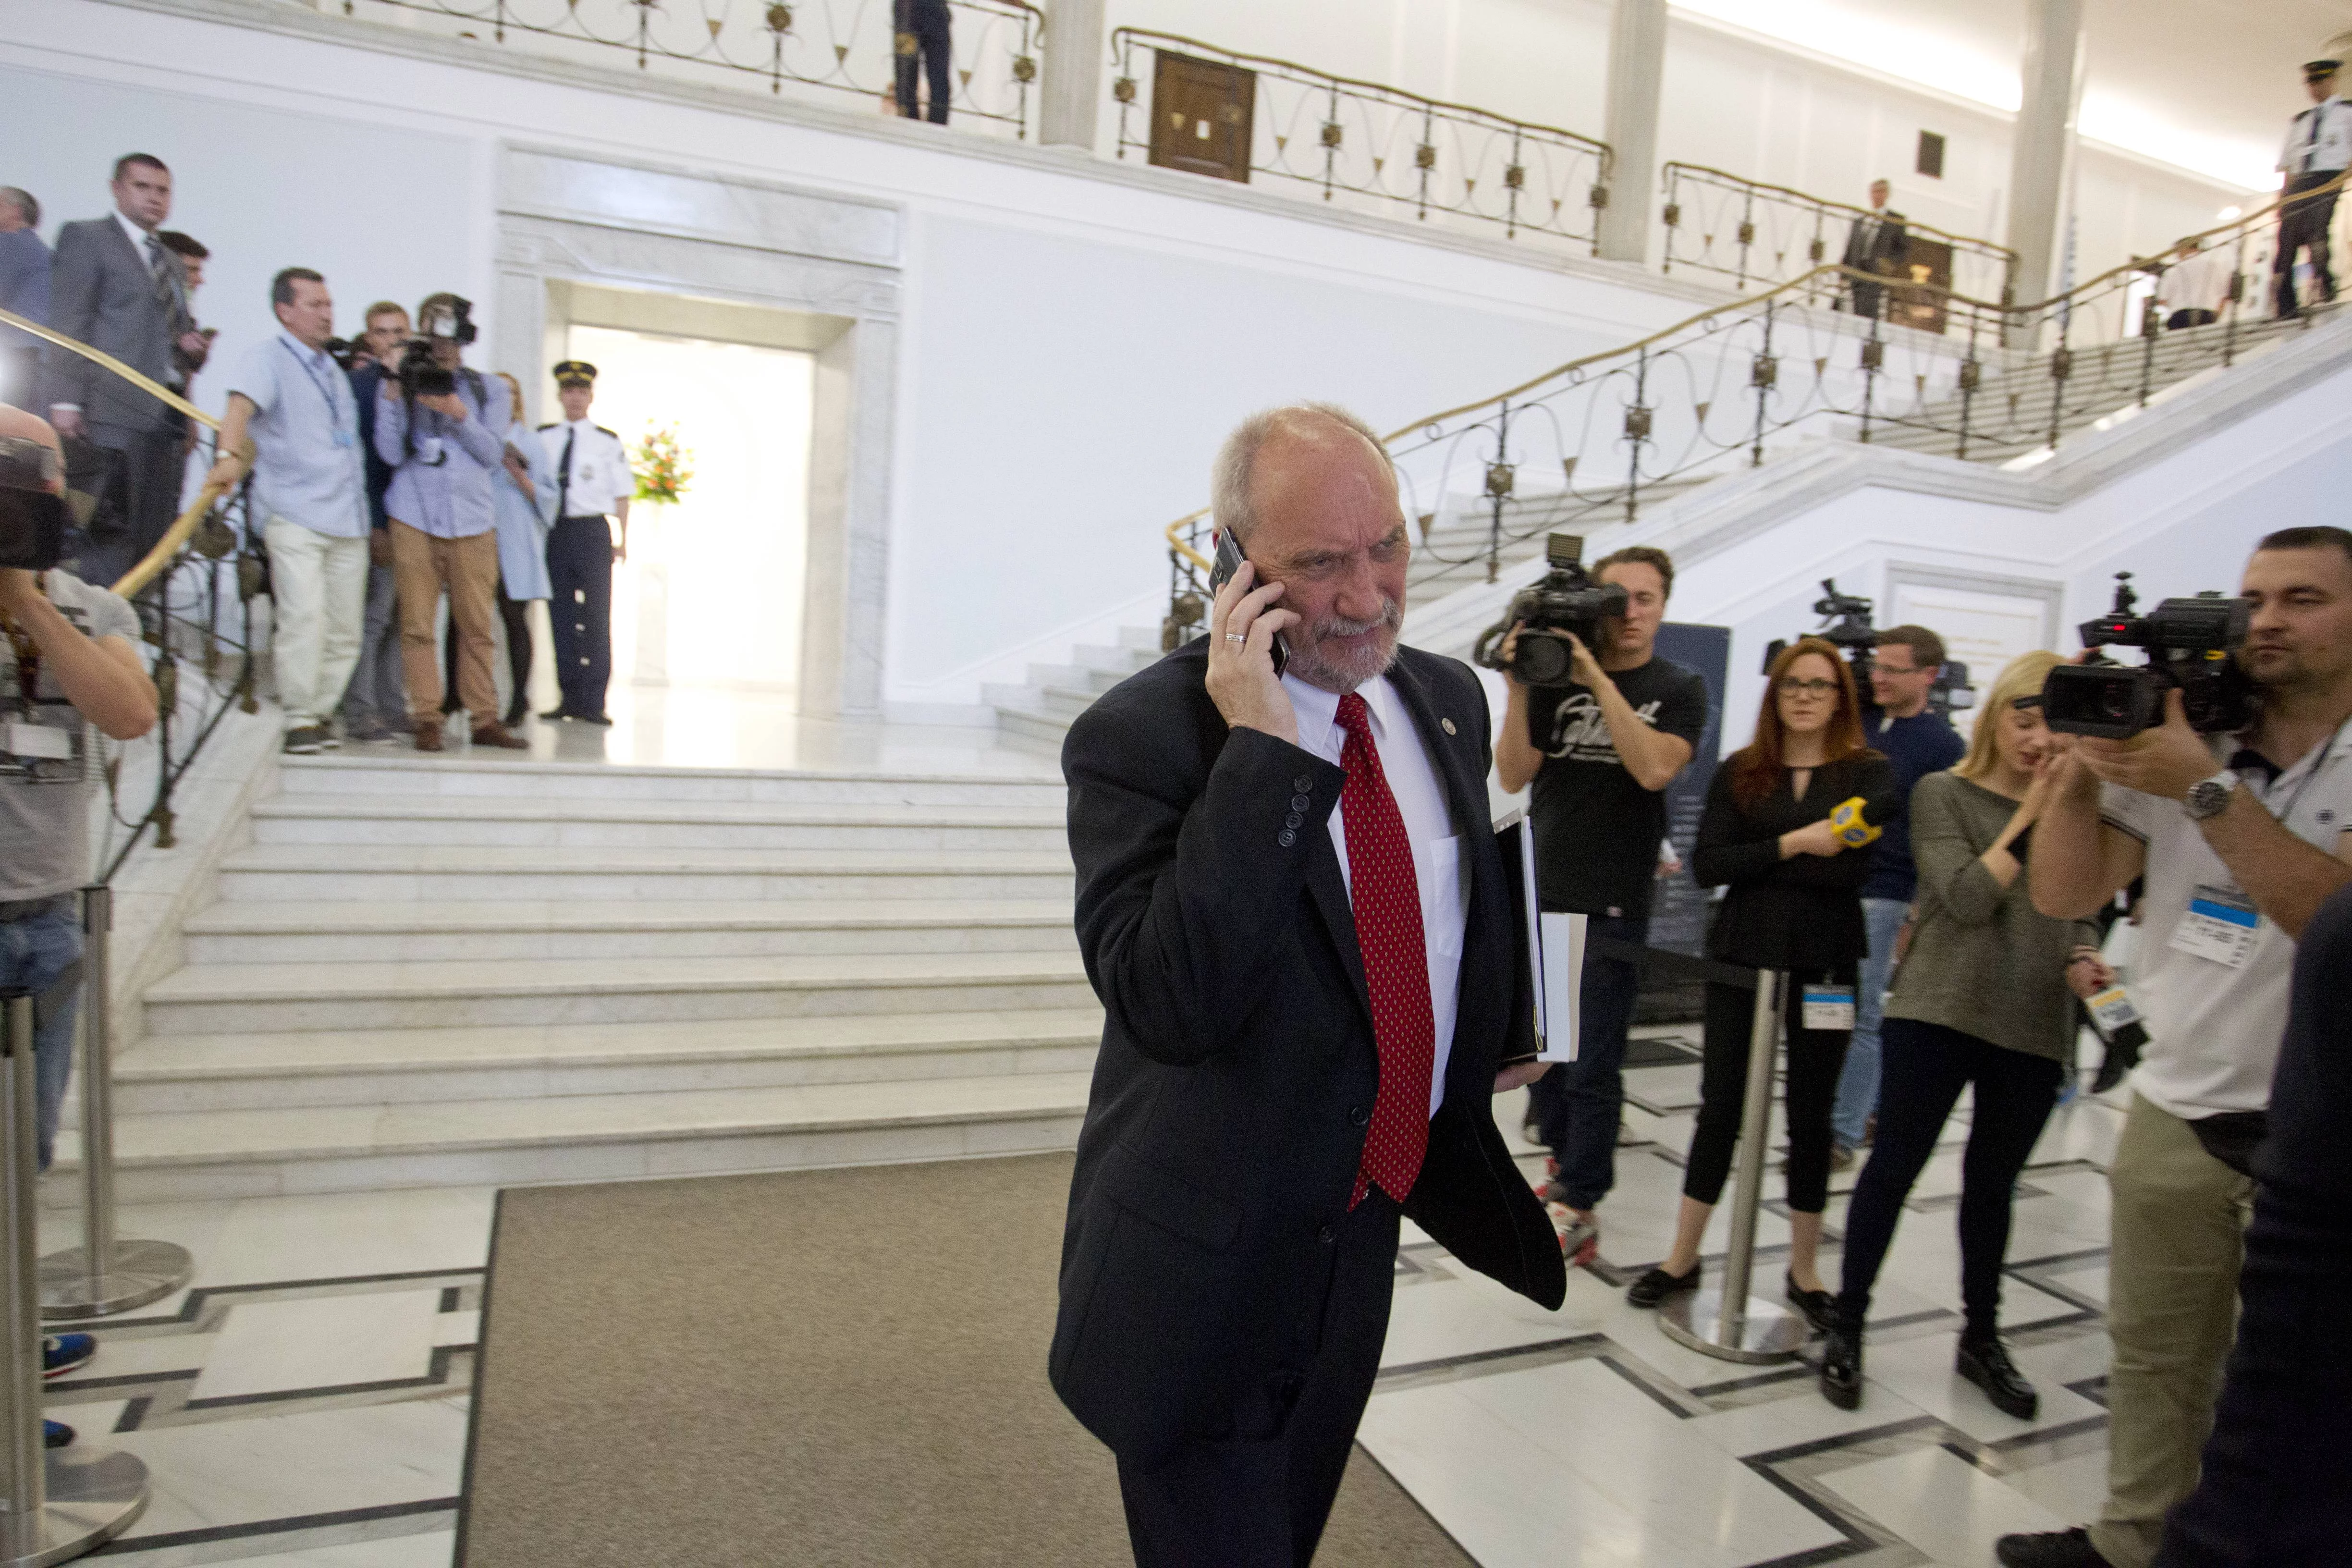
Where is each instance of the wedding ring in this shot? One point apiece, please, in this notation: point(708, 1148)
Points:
point(1235, 638)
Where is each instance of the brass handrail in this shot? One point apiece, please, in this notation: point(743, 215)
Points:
point(1666, 172)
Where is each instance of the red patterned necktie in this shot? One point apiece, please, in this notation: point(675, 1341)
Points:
point(1387, 899)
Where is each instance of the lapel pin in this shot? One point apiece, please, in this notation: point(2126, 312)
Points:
point(1447, 725)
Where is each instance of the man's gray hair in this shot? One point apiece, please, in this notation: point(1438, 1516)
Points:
point(29, 209)
point(1229, 483)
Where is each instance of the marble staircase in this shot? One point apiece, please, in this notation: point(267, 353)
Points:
point(423, 972)
point(1038, 714)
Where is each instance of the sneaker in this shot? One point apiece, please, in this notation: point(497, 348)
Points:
point(62, 1353)
point(308, 741)
point(1579, 1232)
point(2052, 1549)
point(57, 1435)
point(1655, 1286)
point(1842, 1370)
point(1986, 1364)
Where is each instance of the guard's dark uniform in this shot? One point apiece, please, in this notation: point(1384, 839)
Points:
point(594, 479)
point(2318, 150)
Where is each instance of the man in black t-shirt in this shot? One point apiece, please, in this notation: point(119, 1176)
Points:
point(1600, 753)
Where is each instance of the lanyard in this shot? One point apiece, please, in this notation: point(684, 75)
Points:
point(2319, 765)
point(326, 386)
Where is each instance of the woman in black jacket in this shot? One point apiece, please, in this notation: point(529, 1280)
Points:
point(1794, 904)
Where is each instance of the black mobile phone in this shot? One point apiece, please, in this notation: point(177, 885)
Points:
point(1229, 560)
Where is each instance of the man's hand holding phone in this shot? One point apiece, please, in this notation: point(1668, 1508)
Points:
point(1243, 623)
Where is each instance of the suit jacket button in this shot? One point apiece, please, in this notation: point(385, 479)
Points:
point(1302, 783)
point(1285, 838)
point(1327, 1235)
point(1299, 803)
point(1293, 820)
point(1359, 1116)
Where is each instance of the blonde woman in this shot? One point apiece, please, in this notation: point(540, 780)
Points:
point(1984, 1001)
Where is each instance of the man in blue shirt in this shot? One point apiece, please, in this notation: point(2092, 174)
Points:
point(24, 290)
point(311, 493)
point(1918, 742)
point(445, 448)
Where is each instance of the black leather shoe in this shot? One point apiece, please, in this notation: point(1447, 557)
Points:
point(1842, 1370)
point(1657, 1285)
point(1819, 1308)
point(516, 715)
point(2052, 1549)
point(552, 714)
point(1986, 1364)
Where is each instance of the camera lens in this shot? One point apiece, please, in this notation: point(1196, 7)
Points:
point(1543, 661)
point(2115, 701)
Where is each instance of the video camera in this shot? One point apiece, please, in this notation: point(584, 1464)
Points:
point(32, 512)
point(1846, 626)
point(2192, 646)
point(420, 374)
point(1566, 603)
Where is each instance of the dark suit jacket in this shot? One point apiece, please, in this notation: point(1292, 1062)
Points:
point(1238, 1067)
point(101, 293)
point(1880, 246)
point(364, 381)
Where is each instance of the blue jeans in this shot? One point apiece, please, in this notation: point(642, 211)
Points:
point(1857, 1096)
point(1579, 1103)
point(33, 953)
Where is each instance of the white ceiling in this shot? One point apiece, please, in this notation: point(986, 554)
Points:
point(2205, 84)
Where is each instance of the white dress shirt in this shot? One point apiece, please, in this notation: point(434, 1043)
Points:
point(1428, 825)
point(140, 241)
point(2319, 139)
point(600, 479)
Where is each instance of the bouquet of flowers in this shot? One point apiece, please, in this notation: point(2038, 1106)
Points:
point(663, 465)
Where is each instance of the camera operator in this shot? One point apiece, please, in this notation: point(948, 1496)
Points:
point(2239, 838)
point(1904, 664)
point(444, 433)
point(376, 705)
point(1612, 743)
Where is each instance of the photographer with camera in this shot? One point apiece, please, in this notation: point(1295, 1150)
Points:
point(310, 490)
point(1600, 741)
point(1786, 815)
point(444, 432)
point(375, 704)
point(2240, 834)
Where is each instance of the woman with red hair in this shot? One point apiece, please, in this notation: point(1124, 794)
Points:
point(1794, 904)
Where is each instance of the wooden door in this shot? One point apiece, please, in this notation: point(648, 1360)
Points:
point(1928, 261)
point(1202, 114)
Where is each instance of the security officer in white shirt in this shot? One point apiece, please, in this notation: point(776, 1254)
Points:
point(592, 471)
point(2318, 150)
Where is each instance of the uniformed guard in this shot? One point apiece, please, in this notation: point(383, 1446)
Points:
point(2318, 150)
point(594, 482)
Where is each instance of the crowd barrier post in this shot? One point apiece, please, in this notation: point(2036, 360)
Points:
point(1727, 1322)
point(106, 1274)
point(60, 1503)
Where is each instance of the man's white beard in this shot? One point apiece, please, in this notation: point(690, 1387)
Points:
point(1308, 664)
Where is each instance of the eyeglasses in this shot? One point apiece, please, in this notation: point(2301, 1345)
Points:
point(1791, 687)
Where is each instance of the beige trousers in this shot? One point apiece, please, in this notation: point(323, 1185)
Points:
point(422, 567)
point(2177, 1240)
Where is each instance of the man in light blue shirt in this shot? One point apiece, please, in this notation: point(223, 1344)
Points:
point(445, 448)
point(310, 491)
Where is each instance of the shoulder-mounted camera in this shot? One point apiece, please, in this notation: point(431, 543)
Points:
point(1567, 603)
point(2192, 647)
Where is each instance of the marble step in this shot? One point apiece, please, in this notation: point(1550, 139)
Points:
point(436, 777)
point(578, 1138)
point(238, 998)
point(175, 1075)
point(264, 931)
point(565, 824)
point(1042, 732)
point(318, 873)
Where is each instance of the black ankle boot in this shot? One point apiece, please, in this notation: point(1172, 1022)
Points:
point(1841, 1367)
point(1984, 1361)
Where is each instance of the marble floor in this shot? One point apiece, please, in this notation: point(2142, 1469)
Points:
point(303, 1403)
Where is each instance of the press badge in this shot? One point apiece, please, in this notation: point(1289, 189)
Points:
point(2113, 1009)
point(1828, 1007)
point(2218, 924)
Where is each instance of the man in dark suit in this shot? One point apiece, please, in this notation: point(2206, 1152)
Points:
point(115, 285)
point(1876, 243)
point(1291, 905)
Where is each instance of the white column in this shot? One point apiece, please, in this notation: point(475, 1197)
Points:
point(1637, 66)
point(2041, 158)
point(1070, 90)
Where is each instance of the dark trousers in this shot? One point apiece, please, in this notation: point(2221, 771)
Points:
point(580, 569)
point(1256, 1492)
point(515, 616)
point(2303, 225)
point(926, 49)
point(154, 463)
point(1926, 1066)
point(1815, 1059)
point(1578, 1104)
point(2181, 320)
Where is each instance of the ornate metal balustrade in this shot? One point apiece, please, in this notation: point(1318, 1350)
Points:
point(1756, 232)
point(846, 45)
point(1381, 148)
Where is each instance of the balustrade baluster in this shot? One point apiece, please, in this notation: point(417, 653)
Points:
point(1765, 374)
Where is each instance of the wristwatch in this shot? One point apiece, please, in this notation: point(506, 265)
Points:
point(2210, 797)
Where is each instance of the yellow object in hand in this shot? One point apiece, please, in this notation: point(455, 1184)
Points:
point(1847, 824)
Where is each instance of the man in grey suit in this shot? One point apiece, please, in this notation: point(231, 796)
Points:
point(115, 285)
point(1876, 243)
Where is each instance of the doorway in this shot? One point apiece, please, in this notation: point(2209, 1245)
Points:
point(710, 592)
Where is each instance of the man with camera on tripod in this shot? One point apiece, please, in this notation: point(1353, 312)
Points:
point(1600, 751)
point(2241, 838)
point(444, 435)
